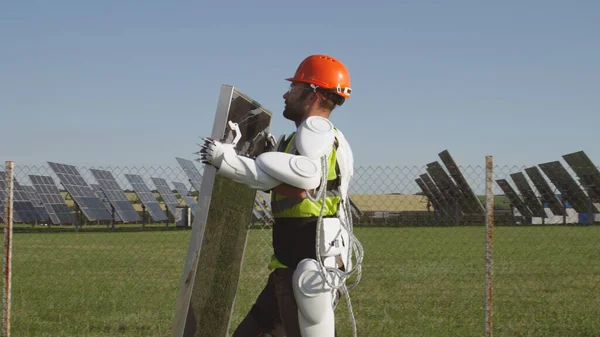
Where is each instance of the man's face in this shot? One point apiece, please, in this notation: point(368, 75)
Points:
point(296, 102)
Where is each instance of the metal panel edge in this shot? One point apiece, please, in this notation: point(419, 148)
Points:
point(195, 244)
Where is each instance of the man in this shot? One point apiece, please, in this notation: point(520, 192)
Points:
point(314, 164)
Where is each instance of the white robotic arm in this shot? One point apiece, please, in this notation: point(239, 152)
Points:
point(270, 169)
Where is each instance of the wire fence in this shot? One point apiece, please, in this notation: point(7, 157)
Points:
point(422, 228)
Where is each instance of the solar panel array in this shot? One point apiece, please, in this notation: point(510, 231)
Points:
point(192, 172)
point(37, 202)
point(448, 191)
point(81, 192)
point(571, 193)
point(166, 194)
point(185, 194)
point(115, 195)
point(50, 196)
point(146, 197)
point(23, 208)
point(568, 187)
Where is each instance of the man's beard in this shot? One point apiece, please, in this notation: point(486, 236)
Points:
point(293, 113)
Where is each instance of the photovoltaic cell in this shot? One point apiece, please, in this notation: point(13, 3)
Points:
point(53, 201)
point(146, 197)
point(102, 196)
point(191, 171)
point(185, 194)
point(23, 208)
point(37, 202)
point(115, 195)
point(167, 195)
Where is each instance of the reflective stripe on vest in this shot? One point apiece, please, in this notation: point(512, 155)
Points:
point(291, 207)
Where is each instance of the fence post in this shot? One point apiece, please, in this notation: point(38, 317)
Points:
point(8, 176)
point(489, 243)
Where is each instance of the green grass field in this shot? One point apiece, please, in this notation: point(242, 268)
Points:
point(416, 281)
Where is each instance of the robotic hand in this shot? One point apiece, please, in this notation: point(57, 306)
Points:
point(211, 152)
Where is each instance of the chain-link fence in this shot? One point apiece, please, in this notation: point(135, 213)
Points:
point(423, 232)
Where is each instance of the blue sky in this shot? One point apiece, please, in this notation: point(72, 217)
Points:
point(136, 82)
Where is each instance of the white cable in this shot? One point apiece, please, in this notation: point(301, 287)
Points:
point(353, 244)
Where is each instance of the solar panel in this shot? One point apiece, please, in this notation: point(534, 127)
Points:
point(545, 191)
point(568, 187)
point(446, 186)
point(588, 173)
point(263, 200)
point(444, 207)
point(82, 193)
point(225, 211)
point(529, 197)
point(115, 195)
point(53, 201)
point(37, 202)
point(513, 197)
point(191, 171)
point(23, 208)
point(185, 194)
point(146, 197)
point(437, 207)
point(102, 196)
point(472, 203)
point(167, 195)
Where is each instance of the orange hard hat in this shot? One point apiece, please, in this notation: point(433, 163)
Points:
point(324, 72)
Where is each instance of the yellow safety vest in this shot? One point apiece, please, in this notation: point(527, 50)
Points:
point(291, 207)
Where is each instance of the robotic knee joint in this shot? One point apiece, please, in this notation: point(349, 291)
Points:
point(315, 300)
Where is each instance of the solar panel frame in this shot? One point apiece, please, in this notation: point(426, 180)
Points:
point(166, 194)
point(218, 238)
point(23, 209)
point(568, 187)
point(116, 196)
point(50, 195)
point(83, 195)
point(545, 191)
point(193, 174)
point(146, 197)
